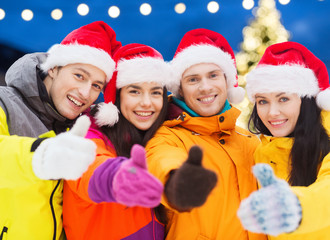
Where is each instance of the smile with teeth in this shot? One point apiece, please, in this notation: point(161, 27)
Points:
point(206, 99)
point(143, 114)
point(75, 101)
point(275, 123)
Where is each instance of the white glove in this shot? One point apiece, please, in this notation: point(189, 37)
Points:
point(66, 156)
point(273, 209)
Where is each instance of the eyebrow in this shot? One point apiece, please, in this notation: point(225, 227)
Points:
point(83, 70)
point(212, 71)
point(89, 75)
point(138, 87)
point(280, 94)
point(216, 70)
point(191, 75)
point(257, 96)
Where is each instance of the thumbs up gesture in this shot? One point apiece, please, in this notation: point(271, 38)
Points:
point(133, 185)
point(273, 209)
point(66, 156)
point(190, 185)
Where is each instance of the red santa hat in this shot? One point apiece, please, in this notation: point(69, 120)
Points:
point(290, 67)
point(205, 46)
point(92, 44)
point(136, 63)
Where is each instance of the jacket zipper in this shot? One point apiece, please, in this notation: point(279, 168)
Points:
point(4, 230)
point(52, 208)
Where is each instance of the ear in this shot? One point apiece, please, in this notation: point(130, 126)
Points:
point(180, 91)
point(52, 72)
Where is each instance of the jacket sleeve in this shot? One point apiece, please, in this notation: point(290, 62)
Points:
point(165, 152)
point(100, 184)
point(95, 185)
point(314, 201)
point(16, 154)
point(3, 122)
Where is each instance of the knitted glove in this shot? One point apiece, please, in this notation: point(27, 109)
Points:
point(133, 185)
point(190, 185)
point(66, 156)
point(273, 209)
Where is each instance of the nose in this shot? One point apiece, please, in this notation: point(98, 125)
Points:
point(204, 85)
point(85, 90)
point(145, 100)
point(274, 110)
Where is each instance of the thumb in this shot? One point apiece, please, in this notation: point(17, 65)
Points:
point(264, 174)
point(195, 155)
point(81, 126)
point(138, 156)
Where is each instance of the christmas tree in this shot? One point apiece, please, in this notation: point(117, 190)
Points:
point(264, 30)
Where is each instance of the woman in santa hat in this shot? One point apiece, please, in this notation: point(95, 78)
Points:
point(116, 197)
point(290, 89)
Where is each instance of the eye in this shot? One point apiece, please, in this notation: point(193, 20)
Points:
point(157, 93)
point(192, 80)
point(213, 75)
point(79, 76)
point(284, 99)
point(97, 86)
point(133, 91)
point(261, 102)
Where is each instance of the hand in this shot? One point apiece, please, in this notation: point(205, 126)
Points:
point(66, 156)
point(190, 185)
point(273, 209)
point(133, 185)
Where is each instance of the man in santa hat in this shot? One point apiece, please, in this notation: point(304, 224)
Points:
point(204, 184)
point(44, 92)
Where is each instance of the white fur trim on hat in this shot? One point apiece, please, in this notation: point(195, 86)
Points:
point(62, 55)
point(196, 54)
point(107, 114)
point(281, 78)
point(235, 95)
point(142, 69)
point(323, 99)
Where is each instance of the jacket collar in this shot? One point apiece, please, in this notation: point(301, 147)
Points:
point(26, 77)
point(224, 122)
point(278, 142)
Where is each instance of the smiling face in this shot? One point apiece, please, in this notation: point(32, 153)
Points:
point(279, 112)
point(74, 87)
point(204, 88)
point(141, 103)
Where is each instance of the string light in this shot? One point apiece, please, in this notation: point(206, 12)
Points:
point(180, 8)
point(248, 4)
point(213, 7)
point(2, 14)
point(83, 9)
point(27, 15)
point(114, 11)
point(56, 14)
point(145, 9)
point(284, 2)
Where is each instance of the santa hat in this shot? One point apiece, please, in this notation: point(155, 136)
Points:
point(205, 46)
point(290, 67)
point(136, 63)
point(92, 44)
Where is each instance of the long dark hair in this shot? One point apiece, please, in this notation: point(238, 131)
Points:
point(123, 135)
point(310, 144)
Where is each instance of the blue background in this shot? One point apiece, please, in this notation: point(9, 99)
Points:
point(307, 21)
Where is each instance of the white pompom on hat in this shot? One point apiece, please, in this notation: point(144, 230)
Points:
point(94, 44)
point(290, 67)
point(136, 63)
point(206, 46)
